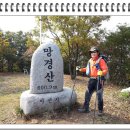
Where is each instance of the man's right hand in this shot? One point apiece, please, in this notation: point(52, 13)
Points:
point(82, 70)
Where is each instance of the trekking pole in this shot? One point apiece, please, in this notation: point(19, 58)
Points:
point(98, 80)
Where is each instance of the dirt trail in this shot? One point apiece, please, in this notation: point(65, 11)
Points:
point(116, 110)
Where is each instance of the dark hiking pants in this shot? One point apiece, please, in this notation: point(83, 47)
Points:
point(92, 86)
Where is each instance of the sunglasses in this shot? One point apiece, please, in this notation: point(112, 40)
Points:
point(93, 52)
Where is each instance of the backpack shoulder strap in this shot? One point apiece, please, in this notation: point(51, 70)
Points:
point(89, 61)
point(98, 60)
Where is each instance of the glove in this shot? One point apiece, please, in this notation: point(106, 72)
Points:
point(82, 70)
point(100, 73)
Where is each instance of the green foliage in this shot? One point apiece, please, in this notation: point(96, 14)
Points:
point(3, 50)
point(19, 111)
point(125, 95)
point(16, 68)
point(117, 47)
point(74, 35)
point(16, 50)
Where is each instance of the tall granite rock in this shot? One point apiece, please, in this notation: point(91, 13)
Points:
point(46, 82)
point(46, 70)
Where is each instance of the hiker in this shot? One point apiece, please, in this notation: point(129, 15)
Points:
point(95, 68)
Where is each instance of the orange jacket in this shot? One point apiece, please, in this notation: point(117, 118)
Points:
point(92, 68)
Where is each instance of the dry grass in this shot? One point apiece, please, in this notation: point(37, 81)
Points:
point(116, 109)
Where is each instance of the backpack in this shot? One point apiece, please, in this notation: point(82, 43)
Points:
point(105, 58)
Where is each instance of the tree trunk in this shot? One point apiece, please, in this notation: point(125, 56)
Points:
point(10, 66)
point(72, 70)
point(2, 65)
point(73, 62)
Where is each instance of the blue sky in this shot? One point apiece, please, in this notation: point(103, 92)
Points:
point(27, 23)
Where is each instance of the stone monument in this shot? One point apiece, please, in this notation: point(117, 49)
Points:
point(46, 82)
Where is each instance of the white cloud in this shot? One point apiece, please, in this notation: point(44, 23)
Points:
point(17, 23)
point(111, 25)
point(27, 23)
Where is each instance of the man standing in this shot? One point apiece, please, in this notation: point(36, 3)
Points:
point(96, 69)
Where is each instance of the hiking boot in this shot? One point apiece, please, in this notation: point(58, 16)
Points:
point(82, 110)
point(100, 113)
